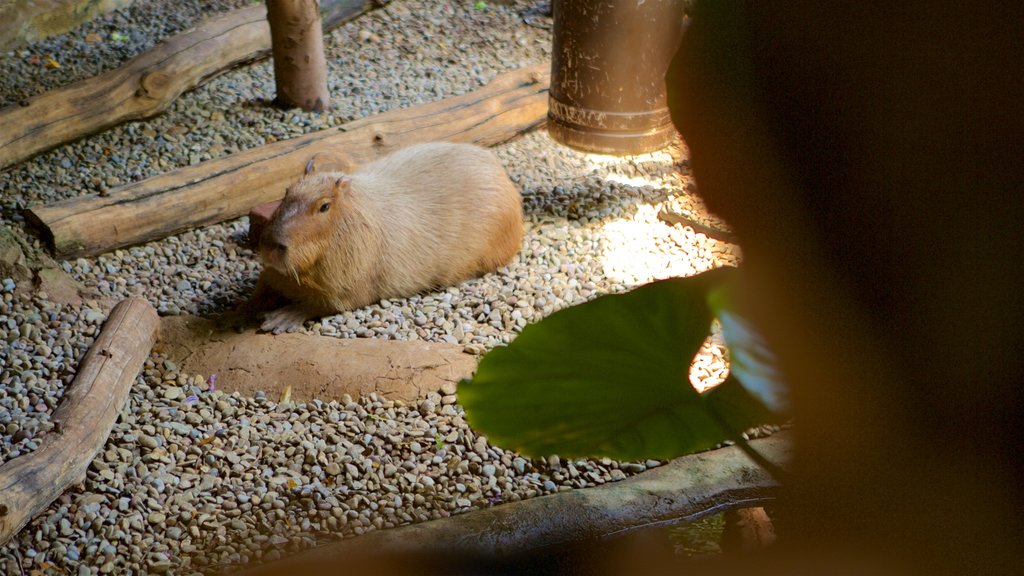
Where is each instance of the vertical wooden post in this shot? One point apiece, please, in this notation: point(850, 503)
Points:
point(300, 68)
point(747, 530)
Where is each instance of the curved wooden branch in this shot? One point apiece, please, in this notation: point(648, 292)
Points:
point(683, 490)
point(228, 187)
point(149, 83)
point(28, 484)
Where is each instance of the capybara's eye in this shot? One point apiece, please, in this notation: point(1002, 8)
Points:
point(325, 206)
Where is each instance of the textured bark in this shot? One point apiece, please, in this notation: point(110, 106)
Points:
point(228, 187)
point(313, 366)
point(28, 484)
point(300, 69)
point(683, 490)
point(149, 83)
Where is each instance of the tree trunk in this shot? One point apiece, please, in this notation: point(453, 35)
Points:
point(300, 69)
point(747, 530)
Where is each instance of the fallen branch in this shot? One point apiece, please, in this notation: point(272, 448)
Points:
point(228, 187)
point(28, 484)
point(313, 366)
point(686, 489)
point(150, 82)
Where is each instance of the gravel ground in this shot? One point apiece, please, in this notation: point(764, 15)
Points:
point(195, 480)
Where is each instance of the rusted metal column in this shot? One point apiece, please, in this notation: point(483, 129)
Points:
point(608, 74)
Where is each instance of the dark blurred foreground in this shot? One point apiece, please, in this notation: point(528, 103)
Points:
point(870, 159)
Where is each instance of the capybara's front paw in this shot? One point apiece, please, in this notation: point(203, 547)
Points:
point(286, 319)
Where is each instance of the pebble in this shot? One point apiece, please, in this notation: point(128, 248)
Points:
point(203, 486)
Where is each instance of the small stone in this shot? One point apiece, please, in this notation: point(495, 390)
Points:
point(332, 469)
point(172, 393)
point(519, 464)
point(632, 467)
point(148, 442)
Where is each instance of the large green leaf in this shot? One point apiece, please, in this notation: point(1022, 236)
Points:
point(751, 361)
point(609, 377)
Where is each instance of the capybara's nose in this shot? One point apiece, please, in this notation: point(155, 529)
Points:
point(270, 245)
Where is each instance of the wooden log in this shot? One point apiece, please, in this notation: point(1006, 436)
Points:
point(149, 83)
point(312, 366)
point(686, 489)
point(228, 187)
point(28, 484)
point(300, 68)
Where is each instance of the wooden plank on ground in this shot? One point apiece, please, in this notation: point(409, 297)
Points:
point(312, 366)
point(150, 82)
point(227, 187)
point(29, 483)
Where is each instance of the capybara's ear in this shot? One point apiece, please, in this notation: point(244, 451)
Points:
point(343, 184)
point(311, 166)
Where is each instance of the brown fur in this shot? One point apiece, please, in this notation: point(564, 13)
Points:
point(426, 216)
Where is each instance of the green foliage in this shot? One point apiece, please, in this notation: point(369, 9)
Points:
point(610, 378)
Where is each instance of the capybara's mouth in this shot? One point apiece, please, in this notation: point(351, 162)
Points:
point(286, 262)
point(276, 260)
